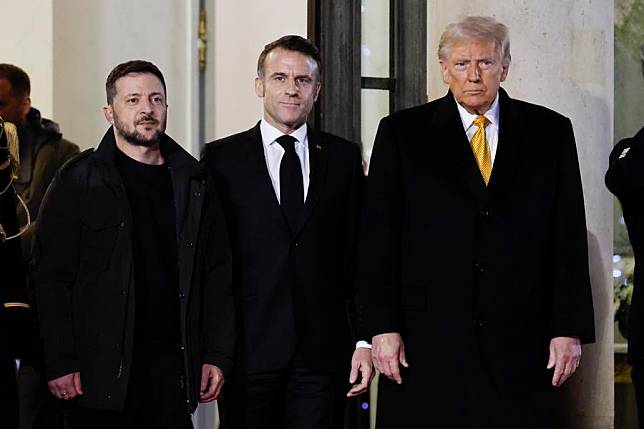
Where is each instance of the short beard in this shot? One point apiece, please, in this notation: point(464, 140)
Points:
point(134, 137)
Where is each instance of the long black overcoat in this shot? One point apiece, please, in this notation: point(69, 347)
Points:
point(476, 279)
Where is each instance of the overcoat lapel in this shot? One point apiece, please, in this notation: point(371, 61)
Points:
point(453, 151)
point(508, 152)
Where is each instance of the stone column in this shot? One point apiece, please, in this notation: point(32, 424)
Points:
point(562, 54)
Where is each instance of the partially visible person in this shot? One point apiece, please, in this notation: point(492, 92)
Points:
point(132, 271)
point(625, 179)
point(14, 310)
point(43, 150)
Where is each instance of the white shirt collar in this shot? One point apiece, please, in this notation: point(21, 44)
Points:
point(492, 114)
point(270, 133)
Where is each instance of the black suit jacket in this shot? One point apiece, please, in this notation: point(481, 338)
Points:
point(291, 290)
point(625, 179)
point(476, 279)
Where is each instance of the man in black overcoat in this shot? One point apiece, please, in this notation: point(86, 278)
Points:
point(474, 264)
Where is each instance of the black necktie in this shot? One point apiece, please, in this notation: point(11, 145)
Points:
point(291, 182)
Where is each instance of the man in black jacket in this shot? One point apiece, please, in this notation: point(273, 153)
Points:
point(133, 271)
point(625, 179)
point(291, 195)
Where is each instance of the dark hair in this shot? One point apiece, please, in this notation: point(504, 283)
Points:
point(18, 79)
point(290, 43)
point(133, 66)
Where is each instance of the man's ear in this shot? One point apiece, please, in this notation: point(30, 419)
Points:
point(444, 71)
point(259, 87)
point(318, 86)
point(26, 106)
point(504, 71)
point(109, 114)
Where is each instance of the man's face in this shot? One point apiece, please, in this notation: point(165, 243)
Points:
point(290, 87)
point(138, 111)
point(474, 71)
point(12, 107)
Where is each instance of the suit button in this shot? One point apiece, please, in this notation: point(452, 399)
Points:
point(181, 295)
point(117, 346)
point(478, 323)
point(479, 267)
point(122, 225)
point(189, 244)
point(123, 292)
point(297, 244)
point(197, 194)
point(484, 213)
point(109, 396)
point(182, 348)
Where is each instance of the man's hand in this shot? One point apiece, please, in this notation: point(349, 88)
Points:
point(66, 387)
point(388, 350)
point(565, 355)
point(212, 378)
point(360, 362)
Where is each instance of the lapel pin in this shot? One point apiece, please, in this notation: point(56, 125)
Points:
point(624, 152)
point(317, 146)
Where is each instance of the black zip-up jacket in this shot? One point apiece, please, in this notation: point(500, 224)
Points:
point(85, 278)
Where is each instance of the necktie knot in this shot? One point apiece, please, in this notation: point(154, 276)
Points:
point(287, 142)
point(481, 121)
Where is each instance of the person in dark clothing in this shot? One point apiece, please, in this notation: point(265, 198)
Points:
point(43, 150)
point(136, 306)
point(291, 195)
point(625, 179)
point(14, 310)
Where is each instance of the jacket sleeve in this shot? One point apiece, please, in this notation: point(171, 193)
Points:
point(354, 203)
point(572, 308)
point(380, 236)
point(56, 264)
point(48, 161)
point(218, 313)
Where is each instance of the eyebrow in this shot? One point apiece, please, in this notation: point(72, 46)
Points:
point(138, 94)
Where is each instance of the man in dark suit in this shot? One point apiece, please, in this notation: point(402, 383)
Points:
point(625, 179)
point(291, 195)
point(474, 256)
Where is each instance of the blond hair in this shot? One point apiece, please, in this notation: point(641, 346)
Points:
point(479, 28)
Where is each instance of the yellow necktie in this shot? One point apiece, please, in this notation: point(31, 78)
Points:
point(481, 149)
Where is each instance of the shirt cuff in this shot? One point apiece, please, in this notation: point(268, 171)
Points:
point(363, 345)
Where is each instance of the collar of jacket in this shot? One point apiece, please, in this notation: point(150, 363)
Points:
point(180, 161)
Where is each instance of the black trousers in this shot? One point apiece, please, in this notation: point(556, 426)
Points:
point(156, 399)
point(293, 398)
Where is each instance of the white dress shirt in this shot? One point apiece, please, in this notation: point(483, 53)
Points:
point(273, 152)
point(492, 129)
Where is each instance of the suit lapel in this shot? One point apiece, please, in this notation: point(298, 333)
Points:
point(453, 152)
point(318, 168)
point(259, 179)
